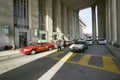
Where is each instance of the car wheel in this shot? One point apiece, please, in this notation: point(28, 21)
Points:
point(50, 48)
point(33, 52)
point(83, 50)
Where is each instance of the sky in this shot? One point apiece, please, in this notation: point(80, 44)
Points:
point(86, 16)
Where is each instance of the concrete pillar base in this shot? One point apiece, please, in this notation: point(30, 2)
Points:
point(117, 44)
point(113, 42)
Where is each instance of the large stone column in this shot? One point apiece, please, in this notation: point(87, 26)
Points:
point(77, 26)
point(107, 27)
point(65, 30)
point(73, 25)
point(58, 18)
point(101, 20)
point(49, 21)
point(114, 22)
point(33, 19)
point(93, 23)
point(109, 21)
point(69, 24)
point(118, 21)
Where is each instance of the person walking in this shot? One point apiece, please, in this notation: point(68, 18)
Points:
point(64, 44)
point(59, 45)
point(30, 43)
point(13, 45)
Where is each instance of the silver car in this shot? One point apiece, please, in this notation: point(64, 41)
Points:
point(102, 41)
point(78, 46)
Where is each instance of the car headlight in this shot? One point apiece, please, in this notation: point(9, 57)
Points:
point(27, 49)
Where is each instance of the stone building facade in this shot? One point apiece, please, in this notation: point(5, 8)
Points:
point(45, 20)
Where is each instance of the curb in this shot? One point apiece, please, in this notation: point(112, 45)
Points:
point(112, 50)
point(8, 52)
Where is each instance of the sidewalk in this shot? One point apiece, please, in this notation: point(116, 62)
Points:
point(8, 52)
point(114, 50)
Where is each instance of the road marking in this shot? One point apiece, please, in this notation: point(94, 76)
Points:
point(72, 56)
point(51, 72)
point(108, 64)
point(84, 60)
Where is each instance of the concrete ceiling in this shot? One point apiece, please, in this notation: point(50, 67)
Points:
point(81, 4)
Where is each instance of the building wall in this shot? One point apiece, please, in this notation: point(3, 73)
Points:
point(34, 19)
point(6, 18)
point(67, 22)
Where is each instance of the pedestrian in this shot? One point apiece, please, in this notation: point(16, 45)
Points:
point(30, 43)
point(64, 44)
point(13, 45)
point(59, 45)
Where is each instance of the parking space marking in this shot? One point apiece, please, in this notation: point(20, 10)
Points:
point(108, 63)
point(84, 60)
point(72, 56)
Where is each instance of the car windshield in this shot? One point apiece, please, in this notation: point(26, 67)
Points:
point(80, 42)
point(101, 40)
point(88, 40)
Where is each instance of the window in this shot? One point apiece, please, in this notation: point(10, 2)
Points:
point(21, 13)
point(42, 15)
point(55, 37)
point(43, 36)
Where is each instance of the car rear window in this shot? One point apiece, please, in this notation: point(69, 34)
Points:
point(79, 42)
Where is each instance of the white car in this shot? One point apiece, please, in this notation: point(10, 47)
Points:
point(89, 42)
point(80, 46)
point(102, 41)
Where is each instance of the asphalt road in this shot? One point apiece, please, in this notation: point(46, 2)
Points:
point(96, 63)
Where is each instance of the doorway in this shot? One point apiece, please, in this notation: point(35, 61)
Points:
point(22, 39)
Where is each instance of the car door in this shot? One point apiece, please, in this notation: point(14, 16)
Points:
point(45, 46)
point(40, 47)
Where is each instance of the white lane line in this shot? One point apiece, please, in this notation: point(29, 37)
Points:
point(51, 72)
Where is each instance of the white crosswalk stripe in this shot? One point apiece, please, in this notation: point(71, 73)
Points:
point(51, 72)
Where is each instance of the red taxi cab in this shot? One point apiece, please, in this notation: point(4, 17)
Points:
point(37, 48)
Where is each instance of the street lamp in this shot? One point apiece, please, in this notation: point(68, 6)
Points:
point(7, 30)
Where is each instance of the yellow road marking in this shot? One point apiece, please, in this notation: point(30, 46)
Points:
point(108, 64)
point(84, 60)
point(71, 56)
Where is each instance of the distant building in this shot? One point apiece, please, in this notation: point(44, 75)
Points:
point(82, 28)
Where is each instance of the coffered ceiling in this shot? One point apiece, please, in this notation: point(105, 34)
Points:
point(81, 4)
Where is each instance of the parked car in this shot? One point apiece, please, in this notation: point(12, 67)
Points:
point(79, 46)
point(67, 43)
point(37, 48)
point(102, 41)
point(89, 42)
